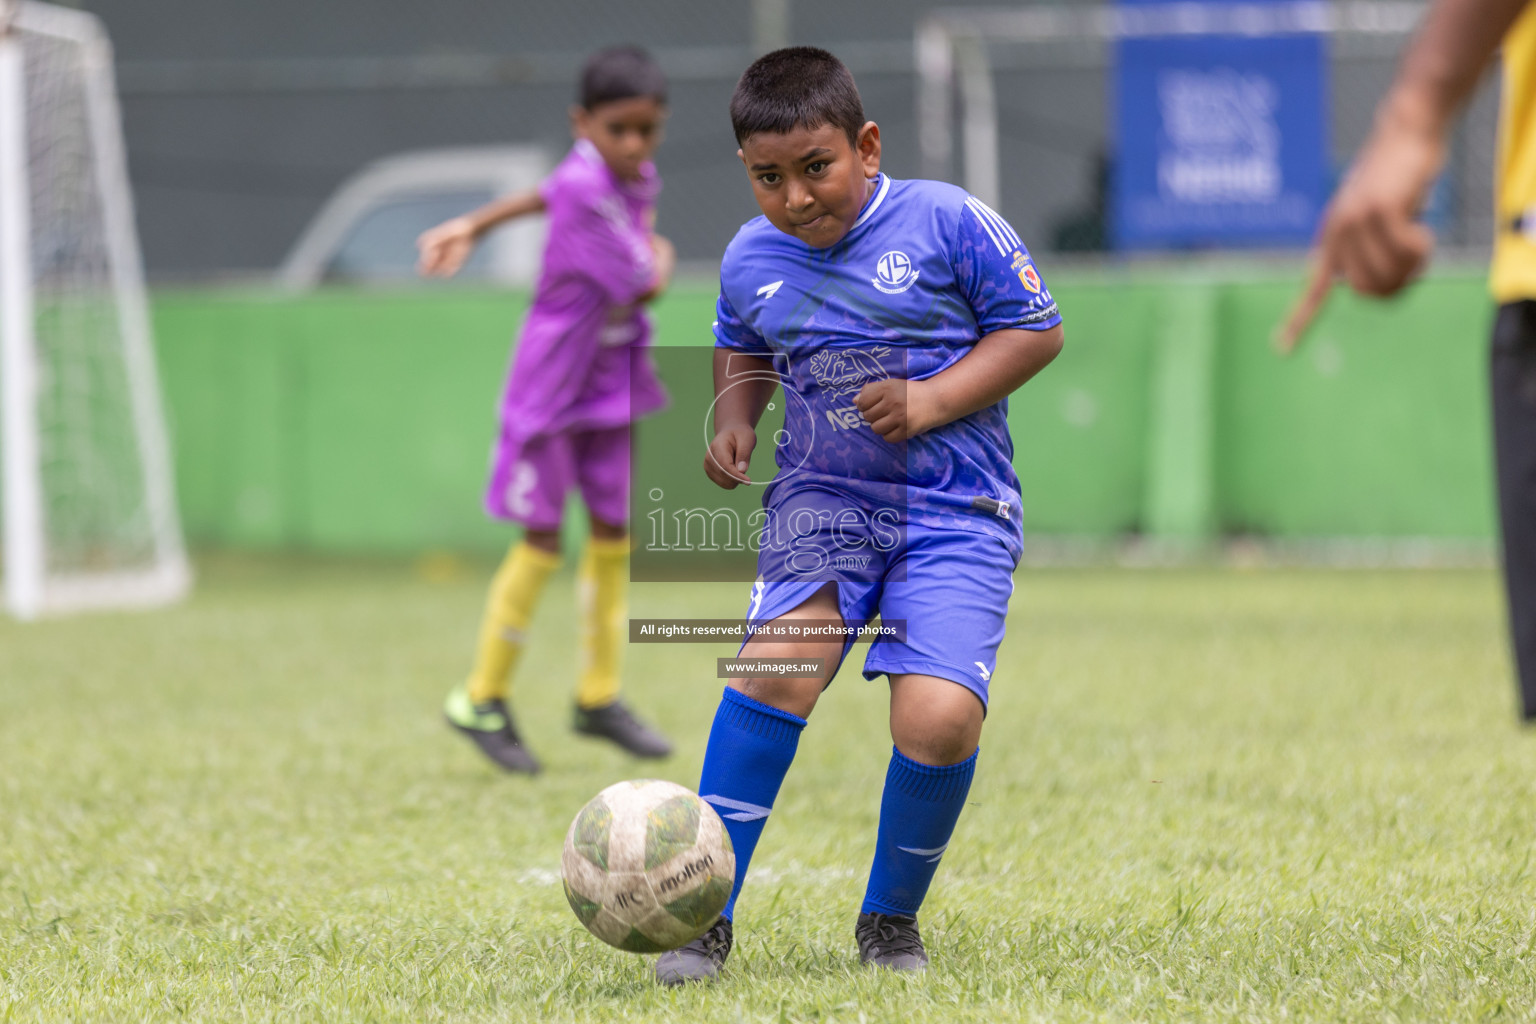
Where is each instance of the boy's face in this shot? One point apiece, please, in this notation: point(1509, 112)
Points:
point(810, 182)
point(626, 132)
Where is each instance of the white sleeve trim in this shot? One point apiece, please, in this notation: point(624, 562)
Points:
point(1002, 235)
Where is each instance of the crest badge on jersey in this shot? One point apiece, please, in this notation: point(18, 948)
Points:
point(894, 273)
point(1029, 277)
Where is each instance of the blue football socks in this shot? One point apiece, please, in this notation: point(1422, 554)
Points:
point(750, 748)
point(918, 812)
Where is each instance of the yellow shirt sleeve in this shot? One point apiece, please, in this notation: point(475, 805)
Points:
point(1513, 276)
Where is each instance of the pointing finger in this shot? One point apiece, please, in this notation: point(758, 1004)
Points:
point(1289, 333)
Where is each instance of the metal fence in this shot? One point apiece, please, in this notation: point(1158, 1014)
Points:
point(242, 118)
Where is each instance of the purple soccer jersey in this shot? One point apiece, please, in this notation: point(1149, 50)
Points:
point(924, 273)
point(580, 365)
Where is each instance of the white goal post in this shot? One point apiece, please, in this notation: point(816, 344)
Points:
point(954, 65)
point(86, 490)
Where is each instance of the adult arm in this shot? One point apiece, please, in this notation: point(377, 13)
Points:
point(1370, 235)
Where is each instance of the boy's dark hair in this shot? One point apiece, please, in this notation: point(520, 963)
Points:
point(621, 73)
point(797, 87)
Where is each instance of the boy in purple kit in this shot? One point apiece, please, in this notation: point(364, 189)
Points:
point(577, 384)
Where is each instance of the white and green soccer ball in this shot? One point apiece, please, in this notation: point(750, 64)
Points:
point(648, 866)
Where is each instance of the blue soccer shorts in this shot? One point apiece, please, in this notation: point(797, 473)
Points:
point(950, 587)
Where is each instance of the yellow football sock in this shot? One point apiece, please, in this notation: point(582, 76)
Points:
point(600, 584)
point(508, 607)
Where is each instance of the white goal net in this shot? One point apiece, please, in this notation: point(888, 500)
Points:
point(89, 512)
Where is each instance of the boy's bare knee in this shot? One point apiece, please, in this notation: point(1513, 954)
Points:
point(934, 721)
point(795, 694)
point(936, 749)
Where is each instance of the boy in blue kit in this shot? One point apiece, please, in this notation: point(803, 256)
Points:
point(897, 316)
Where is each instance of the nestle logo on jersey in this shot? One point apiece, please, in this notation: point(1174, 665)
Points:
point(894, 273)
point(845, 417)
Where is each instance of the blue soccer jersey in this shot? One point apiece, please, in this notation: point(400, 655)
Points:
point(925, 272)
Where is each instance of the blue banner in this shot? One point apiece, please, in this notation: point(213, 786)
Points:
point(1221, 115)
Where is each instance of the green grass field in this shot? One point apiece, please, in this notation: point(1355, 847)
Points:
point(1203, 795)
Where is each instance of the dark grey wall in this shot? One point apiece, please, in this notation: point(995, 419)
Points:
point(230, 159)
point(241, 117)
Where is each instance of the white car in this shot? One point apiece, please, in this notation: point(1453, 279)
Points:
point(366, 232)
